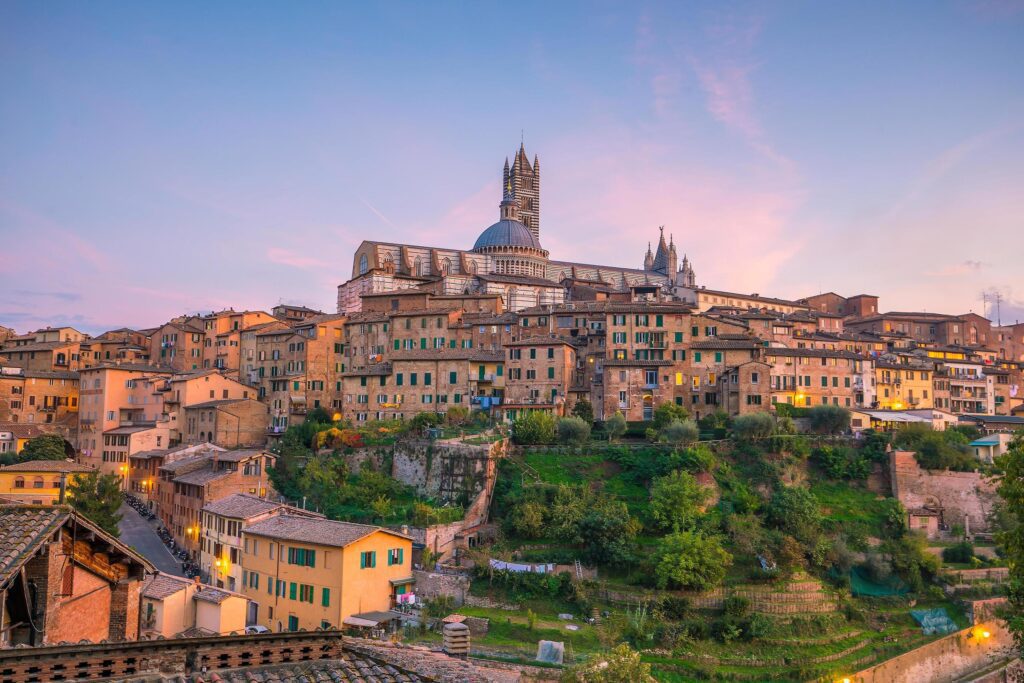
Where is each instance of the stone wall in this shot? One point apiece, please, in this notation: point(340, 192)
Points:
point(431, 584)
point(946, 659)
point(966, 498)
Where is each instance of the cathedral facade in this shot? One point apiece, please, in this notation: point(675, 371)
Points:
point(507, 259)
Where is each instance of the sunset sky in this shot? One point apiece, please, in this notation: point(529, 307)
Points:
point(157, 159)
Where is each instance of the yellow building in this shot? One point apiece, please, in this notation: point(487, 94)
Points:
point(902, 387)
point(37, 482)
point(301, 572)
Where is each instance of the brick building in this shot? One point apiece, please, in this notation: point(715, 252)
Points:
point(539, 372)
point(187, 485)
point(62, 579)
point(811, 377)
point(228, 423)
point(42, 397)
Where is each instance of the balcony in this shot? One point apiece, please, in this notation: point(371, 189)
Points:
point(486, 377)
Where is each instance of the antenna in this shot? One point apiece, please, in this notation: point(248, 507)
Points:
point(998, 296)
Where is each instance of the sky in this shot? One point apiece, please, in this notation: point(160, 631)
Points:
point(164, 158)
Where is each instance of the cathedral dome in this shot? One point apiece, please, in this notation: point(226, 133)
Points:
point(507, 233)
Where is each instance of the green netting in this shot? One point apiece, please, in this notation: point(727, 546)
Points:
point(934, 621)
point(860, 584)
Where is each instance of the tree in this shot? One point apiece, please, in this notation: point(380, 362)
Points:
point(829, 419)
point(528, 519)
point(584, 410)
point(97, 497)
point(676, 501)
point(689, 559)
point(534, 427)
point(319, 415)
point(381, 507)
point(457, 416)
point(668, 412)
point(607, 532)
point(753, 426)
point(615, 426)
point(1011, 490)
point(573, 430)
point(794, 510)
point(45, 447)
point(681, 432)
point(621, 665)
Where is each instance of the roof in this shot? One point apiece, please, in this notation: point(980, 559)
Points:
point(218, 403)
point(811, 353)
point(241, 506)
point(755, 297)
point(539, 340)
point(518, 280)
point(992, 440)
point(25, 528)
point(507, 233)
point(163, 585)
point(200, 476)
point(133, 429)
point(446, 354)
point(633, 363)
point(727, 344)
point(315, 531)
point(214, 595)
point(21, 430)
point(47, 466)
point(39, 346)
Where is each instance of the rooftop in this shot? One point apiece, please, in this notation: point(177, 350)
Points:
point(314, 530)
point(241, 506)
point(47, 466)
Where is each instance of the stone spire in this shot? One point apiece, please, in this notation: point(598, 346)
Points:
point(649, 258)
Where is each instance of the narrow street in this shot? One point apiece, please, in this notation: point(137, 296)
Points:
point(141, 534)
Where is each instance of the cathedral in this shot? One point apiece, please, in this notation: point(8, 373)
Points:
point(507, 259)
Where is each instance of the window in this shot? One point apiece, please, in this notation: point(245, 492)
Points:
point(368, 559)
point(651, 377)
point(395, 556)
point(325, 597)
point(718, 356)
point(306, 593)
point(697, 356)
point(453, 378)
point(679, 337)
point(293, 622)
point(551, 352)
point(302, 557)
point(551, 373)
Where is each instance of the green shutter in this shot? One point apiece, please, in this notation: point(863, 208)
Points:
point(718, 356)
point(658, 321)
point(362, 560)
point(310, 558)
point(696, 356)
point(325, 599)
point(679, 336)
point(551, 373)
point(397, 342)
point(423, 342)
point(292, 590)
point(373, 558)
point(401, 554)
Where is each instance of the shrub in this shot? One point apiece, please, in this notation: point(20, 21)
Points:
point(961, 552)
point(842, 462)
point(759, 627)
point(690, 559)
point(829, 419)
point(753, 426)
point(615, 426)
point(795, 511)
point(736, 606)
point(535, 427)
point(423, 420)
point(584, 410)
point(667, 413)
point(573, 430)
point(681, 432)
point(457, 415)
point(676, 501)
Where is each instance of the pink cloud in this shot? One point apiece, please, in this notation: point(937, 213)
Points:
point(287, 257)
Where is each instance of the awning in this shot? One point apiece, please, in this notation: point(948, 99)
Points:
point(362, 623)
point(402, 582)
point(370, 619)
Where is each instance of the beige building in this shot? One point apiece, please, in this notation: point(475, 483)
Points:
point(43, 397)
point(174, 607)
point(228, 423)
point(305, 573)
point(223, 521)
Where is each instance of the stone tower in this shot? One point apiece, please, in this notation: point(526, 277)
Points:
point(665, 258)
point(522, 183)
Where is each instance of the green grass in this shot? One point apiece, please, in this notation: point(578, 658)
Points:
point(845, 505)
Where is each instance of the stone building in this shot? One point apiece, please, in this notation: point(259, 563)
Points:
point(48, 398)
point(228, 423)
point(811, 377)
point(507, 259)
point(539, 372)
point(187, 485)
point(64, 580)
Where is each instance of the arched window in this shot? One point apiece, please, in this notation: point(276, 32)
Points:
point(38, 483)
point(19, 482)
point(446, 266)
point(364, 264)
point(389, 264)
point(55, 484)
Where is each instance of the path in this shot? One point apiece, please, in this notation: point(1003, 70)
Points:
point(141, 535)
